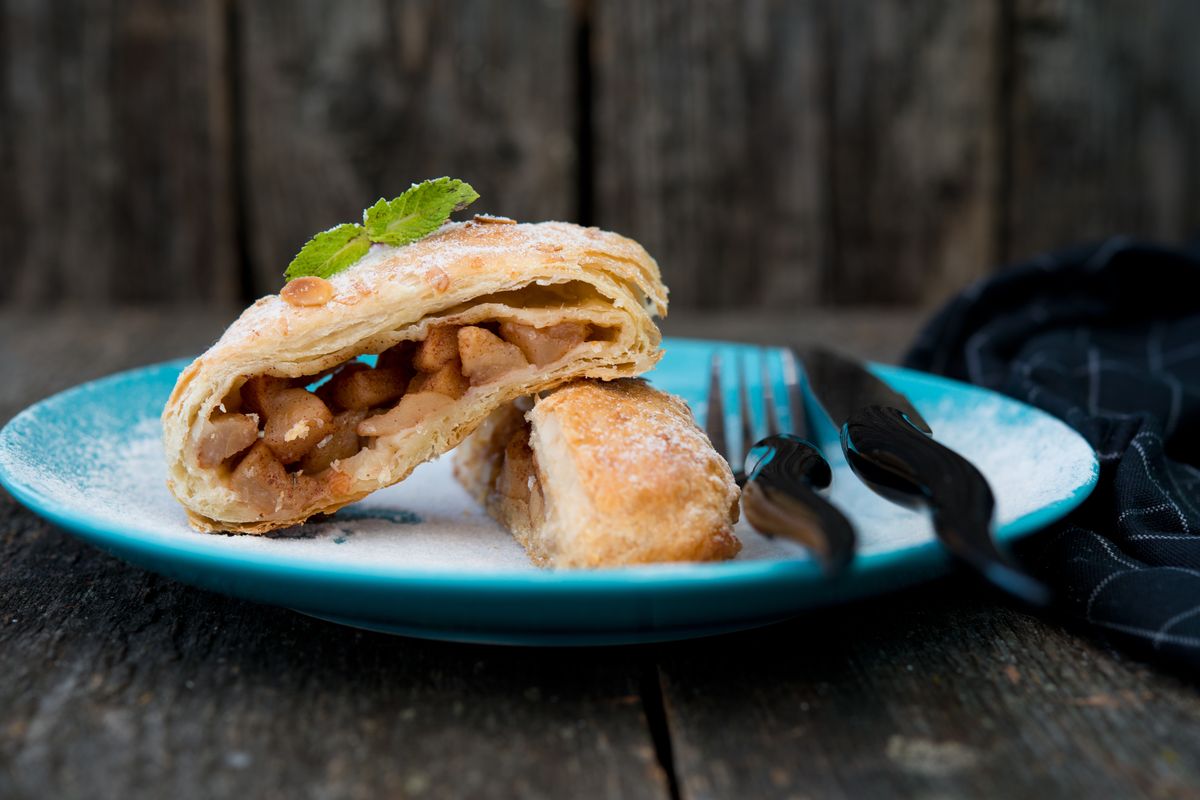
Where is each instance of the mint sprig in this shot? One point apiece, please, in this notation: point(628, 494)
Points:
point(330, 252)
point(418, 212)
point(413, 215)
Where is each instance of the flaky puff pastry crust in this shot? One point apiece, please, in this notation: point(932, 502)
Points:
point(537, 274)
point(624, 476)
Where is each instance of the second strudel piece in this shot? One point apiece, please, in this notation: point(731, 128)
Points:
point(600, 474)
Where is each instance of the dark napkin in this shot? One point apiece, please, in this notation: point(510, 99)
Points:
point(1107, 338)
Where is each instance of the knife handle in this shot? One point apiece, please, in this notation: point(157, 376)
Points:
point(909, 467)
point(780, 499)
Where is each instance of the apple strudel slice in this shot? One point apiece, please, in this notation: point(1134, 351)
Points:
point(283, 418)
point(598, 474)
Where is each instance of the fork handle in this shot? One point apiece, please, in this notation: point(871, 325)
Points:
point(780, 499)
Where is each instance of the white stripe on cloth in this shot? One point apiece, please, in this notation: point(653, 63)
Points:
point(1133, 512)
point(1139, 536)
point(1185, 353)
point(1146, 463)
point(1146, 633)
point(1173, 621)
point(1112, 553)
point(1096, 592)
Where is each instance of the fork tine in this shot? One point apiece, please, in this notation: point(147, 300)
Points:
point(714, 421)
point(745, 416)
point(794, 394)
point(770, 412)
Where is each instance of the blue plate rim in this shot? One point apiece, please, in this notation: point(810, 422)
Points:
point(662, 579)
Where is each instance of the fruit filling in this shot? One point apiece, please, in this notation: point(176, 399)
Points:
point(280, 441)
point(517, 483)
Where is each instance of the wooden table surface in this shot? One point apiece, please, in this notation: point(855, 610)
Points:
point(115, 682)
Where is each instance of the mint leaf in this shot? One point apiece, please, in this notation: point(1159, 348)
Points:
point(418, 212)
point(330, 252)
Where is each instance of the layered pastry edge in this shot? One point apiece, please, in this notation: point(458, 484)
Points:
point(525, 307)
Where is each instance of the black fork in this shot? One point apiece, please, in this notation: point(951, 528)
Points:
point(781, 474)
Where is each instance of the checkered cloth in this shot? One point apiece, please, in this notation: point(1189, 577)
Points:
point(1108, 339)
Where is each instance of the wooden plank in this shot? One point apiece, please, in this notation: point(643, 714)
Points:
point(914, 148)
point(1105, 115)
point(117, 683)
point(772, 154)
point(114, 155)
point(880, 334)
point(346, 101)
point(48, 351)
point(709, 144)
point(933, 693)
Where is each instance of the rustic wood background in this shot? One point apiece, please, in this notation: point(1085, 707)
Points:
point(123, 684)
point(769, 153)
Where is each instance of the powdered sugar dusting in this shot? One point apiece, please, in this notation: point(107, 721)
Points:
point(446, 257)
point(99, 464)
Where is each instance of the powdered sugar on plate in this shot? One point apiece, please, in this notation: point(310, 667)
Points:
point(101, 465)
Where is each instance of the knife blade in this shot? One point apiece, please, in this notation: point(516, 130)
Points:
point(891, 448)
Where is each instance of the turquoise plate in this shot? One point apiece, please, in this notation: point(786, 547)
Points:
point(419, 559)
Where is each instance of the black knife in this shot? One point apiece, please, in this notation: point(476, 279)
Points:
point(785, 475)
point(890, 446)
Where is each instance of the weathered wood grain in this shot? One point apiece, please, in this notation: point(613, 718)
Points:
point(47, 351)
point(116, 683)
point(1105, 120)
point(122, 684)
point(342, 103)
point(114, 153)
point(874, 333)
point(914, 148)
point(937, 692)
point(775, 154)
point(771, 154)
point(710, 144)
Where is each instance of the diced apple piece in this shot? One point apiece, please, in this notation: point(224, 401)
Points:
point(448, 380)
point(412, 409)
point(297, 421)
point(258, 393)
point(223, 436)
point(537, 503)
point(514, 481)
point(545, 345)
point(439, 349)
point(485, 356)
point(231, 402)
point(342, 442)
point(261, 480)
point(518, 478)
point(359, 387)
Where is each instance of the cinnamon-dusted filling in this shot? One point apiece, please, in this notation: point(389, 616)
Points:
point(281, 441)
point(517, 483)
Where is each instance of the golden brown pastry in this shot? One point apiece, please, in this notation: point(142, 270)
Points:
point(464, 321)
point(600, 474)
